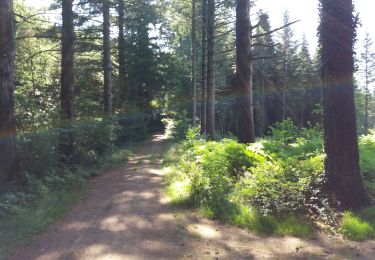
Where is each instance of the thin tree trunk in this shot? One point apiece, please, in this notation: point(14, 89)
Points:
point(9, 166)
point(107, 63)
point(366, 95)
point(285, 75)
point(263, 106)
point(337, 34)
point(67, 80)
point(193, 61)
point(204, 68)
point(121, 51)
point(244, 91)
point(211, 70)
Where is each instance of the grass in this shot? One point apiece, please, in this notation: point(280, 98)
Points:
point(360, 226)
point(25, 222)
point(249, 218)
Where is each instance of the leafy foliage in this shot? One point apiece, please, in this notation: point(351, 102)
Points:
point(367, 149)
point(263, 186)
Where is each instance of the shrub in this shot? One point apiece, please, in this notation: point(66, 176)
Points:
point(92, 139)
point(278, 180)
point(131, 127)
point(367, 155)
point(38, 152)
point(176, 127)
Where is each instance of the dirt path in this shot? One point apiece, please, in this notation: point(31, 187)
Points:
point(125, 216)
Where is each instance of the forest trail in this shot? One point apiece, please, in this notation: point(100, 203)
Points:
point(126, 216)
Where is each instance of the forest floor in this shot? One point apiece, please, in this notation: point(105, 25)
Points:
point(126, 215)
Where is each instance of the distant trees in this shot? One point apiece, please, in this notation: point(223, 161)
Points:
point(287, 52)
point(337, 35)
point(9, 167)
point(367, 70)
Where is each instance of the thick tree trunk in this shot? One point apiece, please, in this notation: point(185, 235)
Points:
point(193, 61)
point(337, 34)
point(211, 70)
point(107, 63)
point(9, 167)
point(204, 68)
point(67, 80)
point(244, 92)
point(121, 51)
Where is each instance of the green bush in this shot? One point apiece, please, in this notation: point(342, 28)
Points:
point(367, 161)
point(131, 127)
point(287, 141)
point(176, 127)
point(262, 186)
point(38, 152)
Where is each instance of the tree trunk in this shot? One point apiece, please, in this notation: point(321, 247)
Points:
point(263, 106)
point(193, 61)
point(67, 80)
point(244, 92)
point(204, 68)
point(9, 167)
point(285, 76)
point(367, 93)
point(121, 51)
point(337, 34)
point(107, 63)
point(211, 70)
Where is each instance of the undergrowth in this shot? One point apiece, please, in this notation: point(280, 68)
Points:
point(271, 187)
point(32, 211)
point(50, 186)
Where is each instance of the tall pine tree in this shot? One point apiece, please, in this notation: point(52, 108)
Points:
point(337, 35)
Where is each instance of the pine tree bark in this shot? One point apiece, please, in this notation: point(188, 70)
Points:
point(9, 167)
point(211, 70)
point(67, 80)
point(244, 91)
point(193, 61)
point(204, 68)
point(121, 51)
point(337, 35)
point(107, 62)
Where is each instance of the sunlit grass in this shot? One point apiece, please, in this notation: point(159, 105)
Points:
point(359, 226)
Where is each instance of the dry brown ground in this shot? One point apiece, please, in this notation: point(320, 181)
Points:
point(126, 216)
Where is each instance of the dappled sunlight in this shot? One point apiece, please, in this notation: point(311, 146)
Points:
point(127, 216)
point(204, 231)
point(113, 224)
point(99, 251)
point(78, 225)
